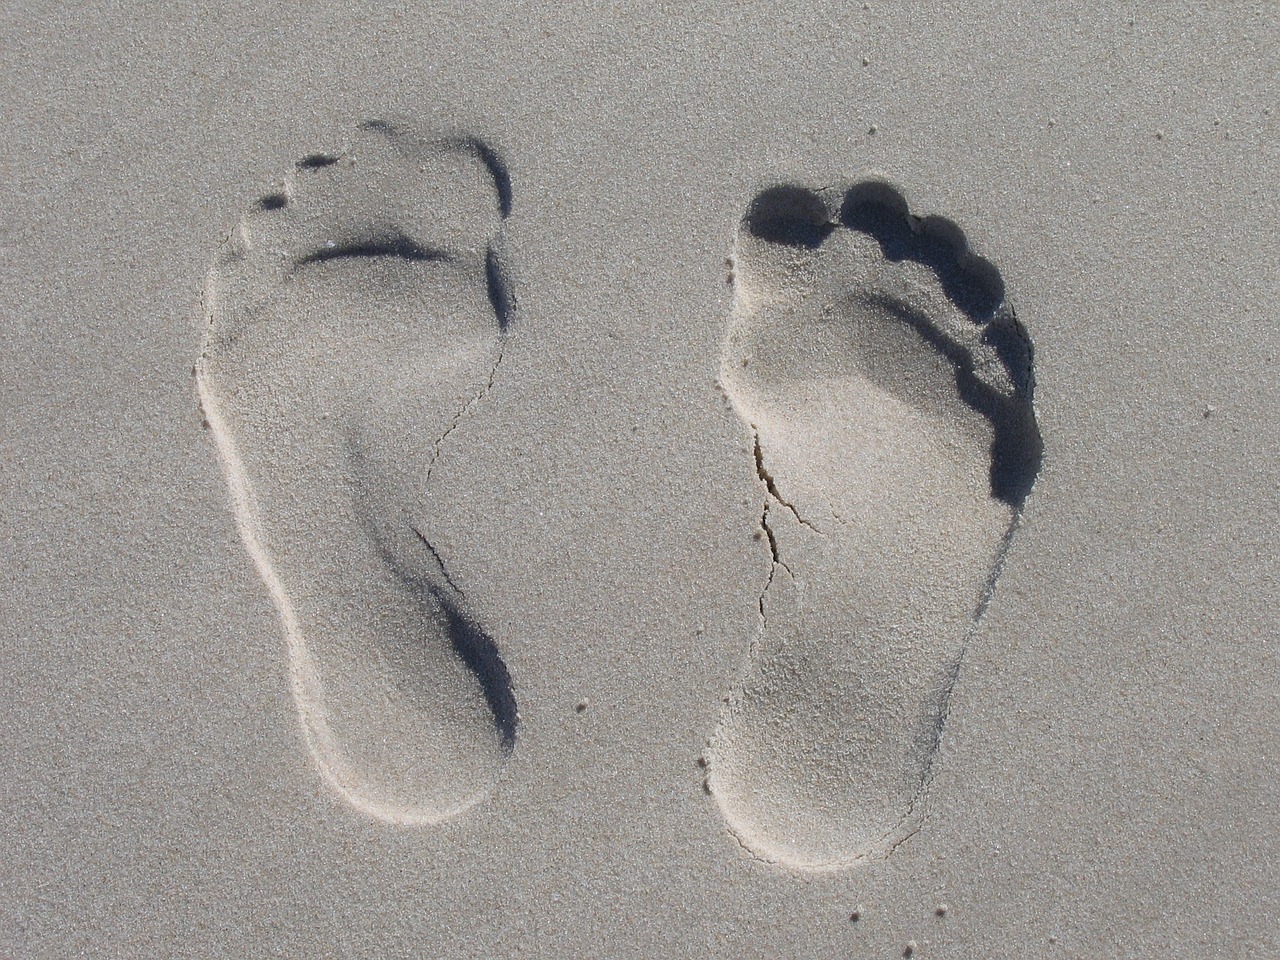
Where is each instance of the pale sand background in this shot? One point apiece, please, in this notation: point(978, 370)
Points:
point(1108, 777)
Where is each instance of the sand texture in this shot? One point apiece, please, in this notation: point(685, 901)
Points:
point(545, 481)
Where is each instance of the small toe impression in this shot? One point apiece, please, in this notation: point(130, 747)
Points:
point(273, 201)
point(316, 161)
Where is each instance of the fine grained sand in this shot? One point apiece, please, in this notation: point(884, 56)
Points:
point(581, 693)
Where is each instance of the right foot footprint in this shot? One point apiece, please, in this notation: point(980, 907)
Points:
point(887, 388)
point(355, 317)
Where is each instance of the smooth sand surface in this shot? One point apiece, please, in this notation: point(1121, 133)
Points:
point(491, 607)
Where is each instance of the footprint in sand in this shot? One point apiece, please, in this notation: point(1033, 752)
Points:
point(888, 388)
point(355, 319)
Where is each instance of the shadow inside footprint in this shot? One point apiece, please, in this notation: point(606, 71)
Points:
point(478, 651)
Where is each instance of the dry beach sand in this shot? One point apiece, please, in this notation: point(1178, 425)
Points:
point(550, 481)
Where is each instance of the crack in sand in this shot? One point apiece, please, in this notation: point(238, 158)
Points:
point(462, 412)
point(444, 569)
point(772, 495)
point(767, 479)
point(773, 543)
point(435, 457)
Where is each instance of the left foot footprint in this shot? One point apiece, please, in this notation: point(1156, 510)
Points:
point(355, 318)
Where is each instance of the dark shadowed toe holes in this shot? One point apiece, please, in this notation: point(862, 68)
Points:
point(877, 209)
